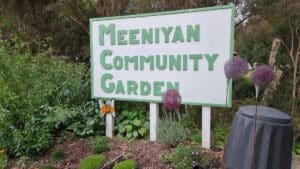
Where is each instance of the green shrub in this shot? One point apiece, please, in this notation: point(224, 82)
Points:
point(3, 161)
point(127, 164)
point(88, 122)
point(31, 81)
point(133, 123)
point(188, 121)
point(57, 155)
point(83, 120)
point(32, 140)
point(92, 162)
point(6, 136)
point(41, 95)
point(197, 138)
point(183, 156)
point(99, 144)
point(243, 88)
point(170, 132)
point(297, 148)
point(218, 135)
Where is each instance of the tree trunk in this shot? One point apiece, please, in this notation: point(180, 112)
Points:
point(294, 94)
point(268, 93)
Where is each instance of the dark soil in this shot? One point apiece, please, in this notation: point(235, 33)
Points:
point(74, 149)
point(147, 154)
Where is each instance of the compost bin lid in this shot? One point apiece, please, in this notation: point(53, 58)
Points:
point(266, 114)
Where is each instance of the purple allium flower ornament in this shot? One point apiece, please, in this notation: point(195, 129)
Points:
point(262, 77)
point(235, 68)
point(171, 99)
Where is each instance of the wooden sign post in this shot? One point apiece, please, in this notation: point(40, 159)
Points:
point(206, 115)
point(109, 127)
point(139, 57)
point(154, 108)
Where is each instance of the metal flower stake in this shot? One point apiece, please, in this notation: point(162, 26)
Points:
point(235, 68)
point(171, 101)
point(261, 78)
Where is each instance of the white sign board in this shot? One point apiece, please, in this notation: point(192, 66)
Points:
point(138, 57)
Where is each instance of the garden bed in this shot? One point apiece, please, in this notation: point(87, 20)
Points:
point(149, 155)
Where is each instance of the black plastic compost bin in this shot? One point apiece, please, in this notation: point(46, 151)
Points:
point(274, 135)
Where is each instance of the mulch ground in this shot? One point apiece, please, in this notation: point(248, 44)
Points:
point(147, 154)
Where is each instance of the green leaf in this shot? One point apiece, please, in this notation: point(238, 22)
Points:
point(128, 128)
point(297, 145)
point(124, 113)
point(147, 125)
point(137, 122)
point(125, 121)
point(91, 122)
point(122, 130)
point(135, 134)
point(129, 135)
point(130, 116)
point(142, 131)
point(135, 113)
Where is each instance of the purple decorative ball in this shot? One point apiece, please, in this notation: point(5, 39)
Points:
point(236, 68)
point(171, 99)
point(262, 76)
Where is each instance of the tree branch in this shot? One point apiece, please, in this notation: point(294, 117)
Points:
point(297, 33)
point(244, 19)
point(268, 93)
point(112, 162)
point(292, 34)
point(80, 24)
point(288, 49)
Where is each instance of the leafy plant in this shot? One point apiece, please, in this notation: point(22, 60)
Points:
point(183, 156)
point(170, 132)
point(88, 120)
point(40, 96)
point(133, 124)
point(127, 164)
point(218, 136)
point(57, 155)
point(99, 144)
point(82, 120)
point(3, 160)
point(197, 138)
point(188, 121)
point(31, 140)
point(92, 162)
point(297, 148)
point(243, 88)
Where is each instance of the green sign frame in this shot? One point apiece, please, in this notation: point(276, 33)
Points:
point(231, 43)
